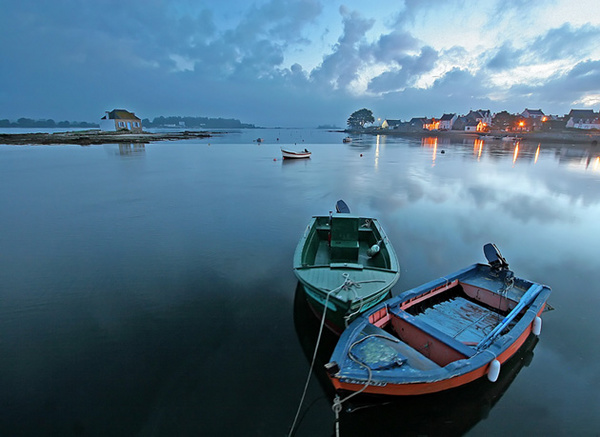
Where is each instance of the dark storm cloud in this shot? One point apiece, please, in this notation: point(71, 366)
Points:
point(566, 42)
point(145, 54)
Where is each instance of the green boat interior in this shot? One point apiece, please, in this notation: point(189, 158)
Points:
point(343, 241)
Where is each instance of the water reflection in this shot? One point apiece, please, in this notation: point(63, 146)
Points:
point(126, 149)
point(131, 149)
point(432, 143)
point(583, 159)
point(450, 413)
point(583, 156)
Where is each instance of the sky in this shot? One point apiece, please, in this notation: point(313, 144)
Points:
point(296, 63)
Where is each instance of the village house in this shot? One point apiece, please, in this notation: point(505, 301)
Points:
point(533, 113)
point(431, 124)
point(417, 123)
point(447, 121)
point(473, 126)
point(482, 115)
point(583, 119)
point(120, 119)
point(533, 119)
point(390, 124)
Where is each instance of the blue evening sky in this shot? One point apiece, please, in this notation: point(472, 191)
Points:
point(296, 63)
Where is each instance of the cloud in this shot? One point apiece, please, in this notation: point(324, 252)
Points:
point(562, 43)
point(566, 42)
point(560, 91)
point(341, 67)
point(394, 46)
point(506, 57)
point(410, 69)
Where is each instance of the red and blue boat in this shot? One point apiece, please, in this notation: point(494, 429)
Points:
point(440, 335)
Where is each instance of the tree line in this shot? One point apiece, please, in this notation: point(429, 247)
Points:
point(188, 122)
point(28, 122)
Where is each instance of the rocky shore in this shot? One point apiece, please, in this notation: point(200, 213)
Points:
point(89, 137)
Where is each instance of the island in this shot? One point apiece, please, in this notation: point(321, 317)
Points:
point(90, 137)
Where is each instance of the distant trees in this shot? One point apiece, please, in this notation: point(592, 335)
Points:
point(49, 123)
point(360, 118)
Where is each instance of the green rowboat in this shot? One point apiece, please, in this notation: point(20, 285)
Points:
point(346, 265)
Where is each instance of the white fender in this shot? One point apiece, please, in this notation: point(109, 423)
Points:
point(537, 325)
point(373, 250)
point(494, 371)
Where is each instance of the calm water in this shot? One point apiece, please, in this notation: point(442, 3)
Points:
point(148, 290)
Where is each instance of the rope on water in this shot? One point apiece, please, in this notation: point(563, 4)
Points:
point(347, 284)
point(314, 357)
point(337, 409)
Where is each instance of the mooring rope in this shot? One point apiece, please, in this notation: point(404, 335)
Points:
point(345, 285)
point(314, 357)
point(349, 283)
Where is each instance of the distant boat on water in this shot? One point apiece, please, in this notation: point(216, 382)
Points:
point(347, 140)
point(290, 154)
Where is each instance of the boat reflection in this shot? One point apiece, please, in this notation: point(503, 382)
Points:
point(450, 413)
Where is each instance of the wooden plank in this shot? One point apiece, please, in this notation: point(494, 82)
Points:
point(461, 319)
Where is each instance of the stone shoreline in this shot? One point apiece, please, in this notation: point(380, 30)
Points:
point(90, 137)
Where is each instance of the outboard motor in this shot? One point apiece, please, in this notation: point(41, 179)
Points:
point(342, 207)
point(494, 257)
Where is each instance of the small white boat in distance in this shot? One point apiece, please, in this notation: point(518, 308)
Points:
point(290, 154)
point(347, 140)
